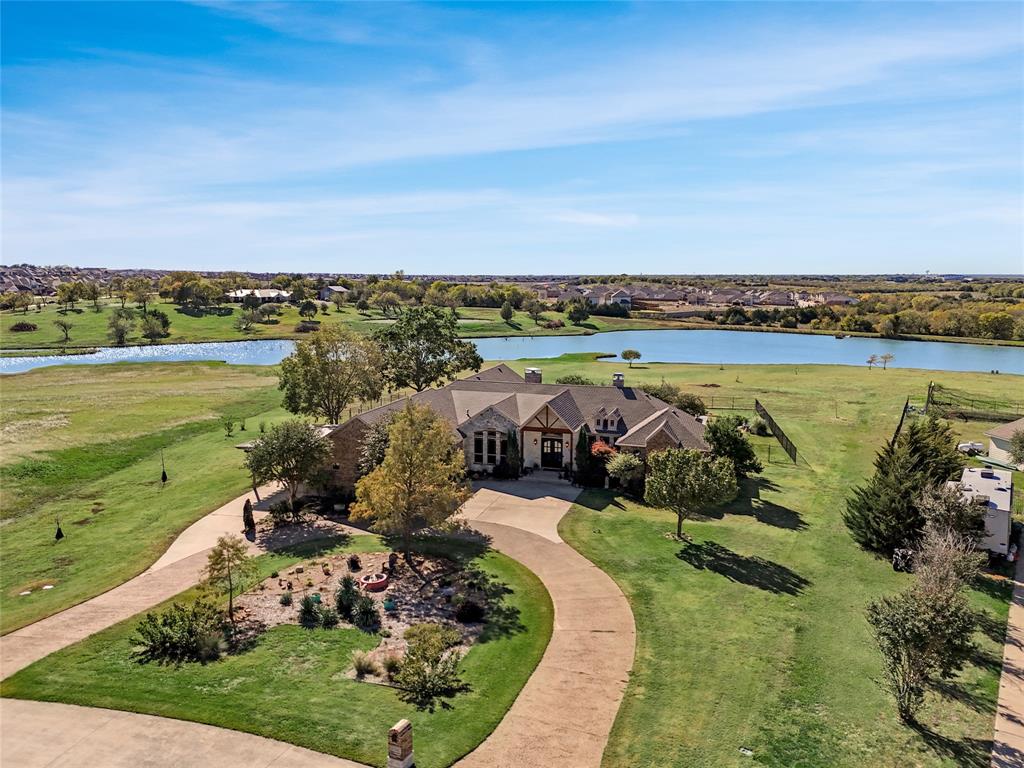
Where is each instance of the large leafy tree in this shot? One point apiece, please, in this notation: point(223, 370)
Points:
point(724, 436)
point(921, 639)
point(686, 481)
point(291, 453)
point(885, 512)
point(420, 483)
point(332, 369)
point(422, 348)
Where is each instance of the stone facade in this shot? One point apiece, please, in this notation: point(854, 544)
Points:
point(346, 446)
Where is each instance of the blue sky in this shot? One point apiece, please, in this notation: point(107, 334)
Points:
point(515, 138)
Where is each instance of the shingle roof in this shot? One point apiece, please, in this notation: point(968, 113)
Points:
point(1006, 431)
point(642, 416)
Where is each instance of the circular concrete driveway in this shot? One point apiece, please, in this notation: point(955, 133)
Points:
point(562, 716)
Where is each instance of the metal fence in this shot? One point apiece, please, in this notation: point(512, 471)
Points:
point(970, 406)
point(729, 402)
point(784, 441)
point(899, 427)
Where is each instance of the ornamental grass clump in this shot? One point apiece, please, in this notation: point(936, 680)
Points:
point(363, 665)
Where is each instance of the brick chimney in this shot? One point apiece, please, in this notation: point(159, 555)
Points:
point(533, 376)
point(619, 380)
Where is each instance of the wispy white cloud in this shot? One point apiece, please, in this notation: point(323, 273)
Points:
point(222, 164)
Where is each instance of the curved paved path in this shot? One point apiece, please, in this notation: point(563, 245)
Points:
point(563, 715)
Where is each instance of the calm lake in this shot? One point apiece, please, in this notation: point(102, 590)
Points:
point(666, 346)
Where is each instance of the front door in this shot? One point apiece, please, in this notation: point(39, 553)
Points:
point(551, 452)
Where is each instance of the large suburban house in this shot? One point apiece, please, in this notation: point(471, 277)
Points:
point(483, 409)
point(265, 295)
point(999, 441)
point(993, 489)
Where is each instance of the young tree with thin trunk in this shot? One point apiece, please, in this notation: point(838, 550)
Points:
point(629, 355)
point(227, 569)
point(686, 481)
point(291, 453)
point(507, 312)
point(421, 482)
point(885, 359)
point(139, 290)
point(329, 371)
point(65, 327)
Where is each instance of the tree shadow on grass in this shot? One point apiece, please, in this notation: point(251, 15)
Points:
point(964, 752)
point(750, 503)
point(599, 500)
point(752, 571)
point(1000, 589)
point(985, 660)
point(994, 628)
point(203, 311)
point(956, 691)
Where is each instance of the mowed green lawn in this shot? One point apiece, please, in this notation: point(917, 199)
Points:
point(81, 444)
point(293, 685)
point(90, 326)
point(755, 635)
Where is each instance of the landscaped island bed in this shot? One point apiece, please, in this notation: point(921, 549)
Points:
point(295, 684)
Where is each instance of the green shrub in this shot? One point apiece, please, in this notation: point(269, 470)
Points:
point(430, 668)
point(429, 632)
point(363, 664)
point(346, 596)
point(470, 612)
point(760, 428)
point(309, 612)
point(21, 326)
point(286, 598)
point(391, 665)
point(181, 633)
point(364, 613)
point(328, 617)
point(574, 378)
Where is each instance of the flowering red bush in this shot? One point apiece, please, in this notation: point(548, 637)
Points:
point(601, 451)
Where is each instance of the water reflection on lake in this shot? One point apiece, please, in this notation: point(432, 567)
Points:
point(668, 346)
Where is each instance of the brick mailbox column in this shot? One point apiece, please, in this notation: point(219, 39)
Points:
point(400, 745)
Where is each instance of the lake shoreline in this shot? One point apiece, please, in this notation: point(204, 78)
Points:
point(70, 349)
point(699, 345)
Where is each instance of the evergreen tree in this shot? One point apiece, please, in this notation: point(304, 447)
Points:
point(584, 461)
point(514, 457)
point(885, 513)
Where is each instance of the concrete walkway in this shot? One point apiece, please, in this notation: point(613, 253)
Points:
point(1008, 743)
point(563, 715)
point(38, 734)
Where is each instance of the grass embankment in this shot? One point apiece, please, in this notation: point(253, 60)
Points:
point(754, 636)
point(82, 444)
point(90, 326)
point(293, 686)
